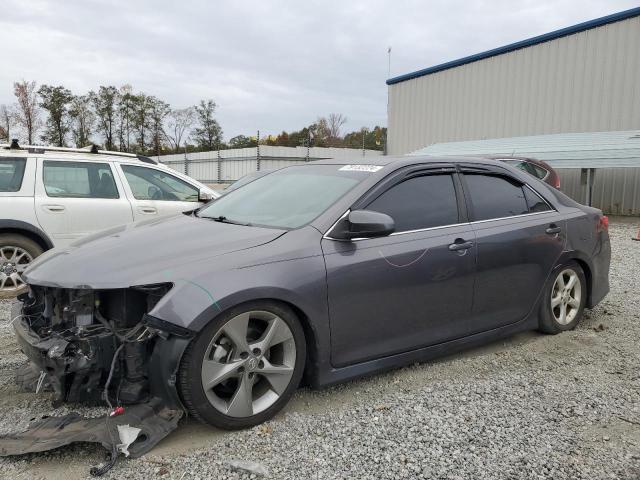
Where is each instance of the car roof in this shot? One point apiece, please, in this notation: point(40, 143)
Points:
point(89, 153)
point(401, 160)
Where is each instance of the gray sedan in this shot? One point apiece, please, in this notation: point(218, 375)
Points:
point(316, 273)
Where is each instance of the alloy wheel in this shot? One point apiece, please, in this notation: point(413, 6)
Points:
point(13, 261)
point(248, 364)
point(566, 297)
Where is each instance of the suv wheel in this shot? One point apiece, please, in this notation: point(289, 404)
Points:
point(244, 366)
point(16, 253)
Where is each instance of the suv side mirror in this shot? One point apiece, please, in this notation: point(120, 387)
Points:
point(364, 224)
point(204, 196)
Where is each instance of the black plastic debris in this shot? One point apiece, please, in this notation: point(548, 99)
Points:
point(153, 418)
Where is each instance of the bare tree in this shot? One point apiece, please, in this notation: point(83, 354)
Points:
point(334, 125)
point(6, 121)
point(27, 112)
point(180, 122)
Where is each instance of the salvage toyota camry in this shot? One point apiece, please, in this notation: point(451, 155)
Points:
point(316, 273)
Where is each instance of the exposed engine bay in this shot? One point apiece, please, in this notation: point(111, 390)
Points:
point(99, 347)
point(93, 345)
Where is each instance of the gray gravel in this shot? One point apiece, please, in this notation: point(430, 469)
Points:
point(533, 407)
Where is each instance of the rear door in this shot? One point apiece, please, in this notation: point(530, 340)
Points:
point(519, 238)
point(154, 192)
point(410, 289)
point(77, 198)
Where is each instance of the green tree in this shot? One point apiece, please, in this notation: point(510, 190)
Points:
point(373, 139)
point(158, 111)
point(82, 120)
point(207, 134)
point(105, 103)
point(126, 107)
point(141, 121)
point(55, 101)
point(242, 141)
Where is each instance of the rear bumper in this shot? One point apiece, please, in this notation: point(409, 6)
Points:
point(600, 271)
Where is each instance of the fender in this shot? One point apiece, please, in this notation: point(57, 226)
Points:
point(17, 225)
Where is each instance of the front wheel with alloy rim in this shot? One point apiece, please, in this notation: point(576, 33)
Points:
point(564, 300)
point(16, 253)
point(244, 366)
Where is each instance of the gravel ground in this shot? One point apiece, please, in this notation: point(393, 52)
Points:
point(531, 407)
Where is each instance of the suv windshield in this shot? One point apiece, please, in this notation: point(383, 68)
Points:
point(288, 198)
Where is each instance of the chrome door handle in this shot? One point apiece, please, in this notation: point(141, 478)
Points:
point(553, 229)
point(460, 244)
point(54, 208)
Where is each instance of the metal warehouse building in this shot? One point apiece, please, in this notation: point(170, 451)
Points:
point(583, 78)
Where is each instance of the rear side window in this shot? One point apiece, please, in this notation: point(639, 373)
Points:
point(419, 202)
point(495, 197)
point(79, 180)
point(11, 174)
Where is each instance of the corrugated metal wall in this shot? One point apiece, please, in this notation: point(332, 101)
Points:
point(584, 82)
point(226, 166)
point(616, 191)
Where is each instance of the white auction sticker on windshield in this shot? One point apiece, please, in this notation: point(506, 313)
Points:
point(360, 168)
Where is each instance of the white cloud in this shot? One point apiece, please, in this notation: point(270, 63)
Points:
point(269, 65)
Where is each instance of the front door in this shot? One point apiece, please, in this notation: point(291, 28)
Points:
point(77, 198)
point(408, 290)
point(154, 192)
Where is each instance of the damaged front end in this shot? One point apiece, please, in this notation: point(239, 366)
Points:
point(101, 347)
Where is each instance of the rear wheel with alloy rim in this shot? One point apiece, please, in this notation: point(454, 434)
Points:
point(565, 298)
point(16, 253)
point(244, 366)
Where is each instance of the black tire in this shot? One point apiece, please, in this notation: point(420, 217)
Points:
point(25, 243)
point(548, 321)
point(189, 374)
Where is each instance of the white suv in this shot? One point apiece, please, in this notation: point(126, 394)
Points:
point(50, 197)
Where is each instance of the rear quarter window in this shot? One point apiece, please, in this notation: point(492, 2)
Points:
point(11, 174)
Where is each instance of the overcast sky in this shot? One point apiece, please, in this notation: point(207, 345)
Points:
point(269, 65)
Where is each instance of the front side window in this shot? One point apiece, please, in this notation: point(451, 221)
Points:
point(287, 198)
point(495, 197)
point(420, 202)
point(151, 184)
point(11, 173)
point(78, 180)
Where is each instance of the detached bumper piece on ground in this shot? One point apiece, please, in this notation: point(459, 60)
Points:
point(99, 346)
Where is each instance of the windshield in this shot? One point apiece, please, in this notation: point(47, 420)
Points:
point(288, 198)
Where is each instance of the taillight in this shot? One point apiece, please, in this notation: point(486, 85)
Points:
point(603, 224)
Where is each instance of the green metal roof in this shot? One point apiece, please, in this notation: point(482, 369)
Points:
point(562, 150)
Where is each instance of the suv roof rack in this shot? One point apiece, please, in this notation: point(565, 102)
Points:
point(92, 149)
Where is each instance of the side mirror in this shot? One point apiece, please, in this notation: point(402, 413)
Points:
point(204, 195)
point(364, 224)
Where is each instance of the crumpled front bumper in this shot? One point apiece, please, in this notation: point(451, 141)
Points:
point(156, 417)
